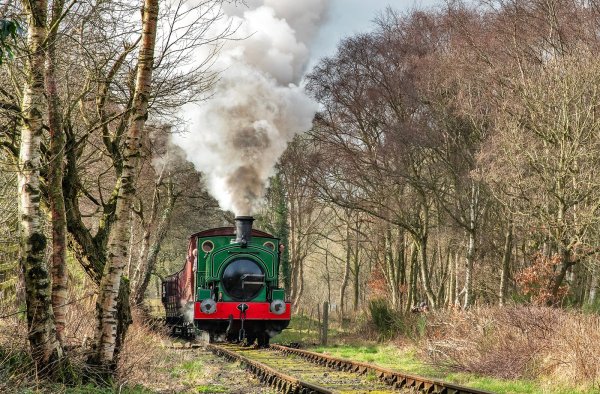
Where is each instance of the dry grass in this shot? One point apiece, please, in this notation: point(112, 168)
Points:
point(143, 353)
point(139, 359)
point(16, 366)
point(518, 342)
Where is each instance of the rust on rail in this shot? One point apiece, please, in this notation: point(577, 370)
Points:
point(267, 375)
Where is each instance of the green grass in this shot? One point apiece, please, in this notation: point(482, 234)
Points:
point(211, 389)
point(387, 356)
point(406, 360)
point(305, 330)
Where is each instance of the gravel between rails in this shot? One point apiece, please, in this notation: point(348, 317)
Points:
point(296, 367)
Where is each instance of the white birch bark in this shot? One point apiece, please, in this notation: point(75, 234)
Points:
point(473, 207)
point(44, 345)
point(106, 307)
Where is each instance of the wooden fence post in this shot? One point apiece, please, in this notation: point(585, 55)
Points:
point(325, 327)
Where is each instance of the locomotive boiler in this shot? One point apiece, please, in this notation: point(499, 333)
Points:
point(229, 286)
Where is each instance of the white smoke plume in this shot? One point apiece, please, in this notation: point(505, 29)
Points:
point(236, 137)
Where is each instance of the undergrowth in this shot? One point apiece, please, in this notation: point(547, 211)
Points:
point(389, 323)
point(139, 357)
point(518, 342)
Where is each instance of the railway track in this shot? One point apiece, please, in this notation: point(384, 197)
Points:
point(292, 370)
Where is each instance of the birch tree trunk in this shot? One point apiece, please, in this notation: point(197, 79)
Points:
point(150, 262)
point(412, 285)
point(456, 281)
point(45, 347)
point(471, 229)
point(356, 274)
point(136, 273)
point(451, 282)
point(469, 269)
point(55, 177)
point(421, 243)
point(593, 286)
point(106, 335)
point(390, 272)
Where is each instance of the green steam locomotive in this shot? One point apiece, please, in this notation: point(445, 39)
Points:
point(229, 286)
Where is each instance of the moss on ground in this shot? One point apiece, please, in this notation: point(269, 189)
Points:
point(303, 329)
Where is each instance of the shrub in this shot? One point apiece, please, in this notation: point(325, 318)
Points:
point(535, 281)
point(390, 323)
point(383, 317)
point(518, 342)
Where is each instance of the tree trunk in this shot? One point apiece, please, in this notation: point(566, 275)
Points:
point(505, 264)
point(140, 267)
point(346, 277)
point(412, 285)
point(390, 271)
point(593, 286)
point(88, 250)
point(106, 307)
point(473, 206)
point(163, 227)
point(469, 269)
point(356, 274)
point(293, 252)
point(300, 290)
point(137, 272)
point(422, 245)
point(559, 277)
point(452, 284)
point(456, 282)
point(45, 347)
point(132, 226)
point(327, 276)
point(400, 266)
point(282, 230)
point(445, 270)
point(55, 178)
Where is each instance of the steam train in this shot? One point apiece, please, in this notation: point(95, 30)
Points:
point(229, 286)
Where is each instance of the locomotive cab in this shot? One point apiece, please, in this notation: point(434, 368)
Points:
point(234, 285)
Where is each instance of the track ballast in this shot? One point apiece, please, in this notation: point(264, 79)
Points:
point(292, 370)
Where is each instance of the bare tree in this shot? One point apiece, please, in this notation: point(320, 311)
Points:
point(106, 336)
point(45, 347)
point(553, 183)
point(55, 175)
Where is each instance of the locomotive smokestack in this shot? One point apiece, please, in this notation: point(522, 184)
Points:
point(243, 229)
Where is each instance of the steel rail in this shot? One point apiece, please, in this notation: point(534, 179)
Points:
point(391, 377)
point(267, 375)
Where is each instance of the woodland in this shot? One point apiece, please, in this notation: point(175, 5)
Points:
point(453, 162)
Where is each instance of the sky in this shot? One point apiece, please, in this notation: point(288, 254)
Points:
point(348, 17)
point(258, 104)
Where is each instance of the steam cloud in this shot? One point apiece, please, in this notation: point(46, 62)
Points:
point(257, 107)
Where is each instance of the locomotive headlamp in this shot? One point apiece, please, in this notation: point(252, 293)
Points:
point(207, 246)
point(208, 306)
point(277, 307)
